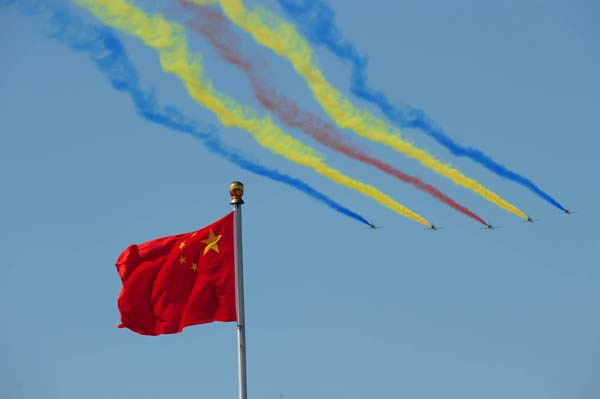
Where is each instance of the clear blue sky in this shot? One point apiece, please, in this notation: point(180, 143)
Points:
point(333, 310)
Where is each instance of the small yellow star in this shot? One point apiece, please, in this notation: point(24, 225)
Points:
point(181, 246)
point(211, 242)
point(194, 266)
point(181, 260)
point(194, 235)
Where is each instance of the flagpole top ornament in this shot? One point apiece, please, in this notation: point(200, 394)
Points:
point(236, 190)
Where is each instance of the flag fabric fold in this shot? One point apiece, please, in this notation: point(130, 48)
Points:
point(177, 281)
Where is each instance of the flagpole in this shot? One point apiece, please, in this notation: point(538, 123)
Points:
point(236, 190)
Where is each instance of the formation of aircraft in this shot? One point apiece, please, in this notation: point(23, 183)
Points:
point(487, 226)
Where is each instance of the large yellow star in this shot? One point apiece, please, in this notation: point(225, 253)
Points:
point(211, 242)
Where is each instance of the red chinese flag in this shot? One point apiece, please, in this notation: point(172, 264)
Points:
point(178, 281)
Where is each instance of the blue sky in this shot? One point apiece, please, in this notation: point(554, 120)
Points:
point(333, 309)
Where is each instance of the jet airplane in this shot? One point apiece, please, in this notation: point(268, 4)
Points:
point(374, 227)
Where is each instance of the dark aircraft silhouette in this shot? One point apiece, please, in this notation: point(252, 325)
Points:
point(374, 227)
point(434, 227)
point(490, 227)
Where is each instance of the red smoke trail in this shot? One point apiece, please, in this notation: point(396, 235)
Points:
point(215, 28)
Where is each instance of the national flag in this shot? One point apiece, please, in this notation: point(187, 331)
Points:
point(177, 281)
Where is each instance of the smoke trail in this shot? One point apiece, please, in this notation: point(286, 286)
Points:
point(281, 37)
point(109, 55)
point(317, 21)
point(214, 27)
point(169, 40)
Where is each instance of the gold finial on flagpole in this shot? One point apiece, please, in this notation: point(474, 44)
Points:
point(236, 190)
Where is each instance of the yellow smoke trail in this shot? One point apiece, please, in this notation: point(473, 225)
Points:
point(169, 40)
point(281, 37)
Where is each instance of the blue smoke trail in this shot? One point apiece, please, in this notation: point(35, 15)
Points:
point(109, 55)
point(316, 19)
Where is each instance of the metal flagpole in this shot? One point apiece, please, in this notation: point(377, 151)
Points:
point(236, 190)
